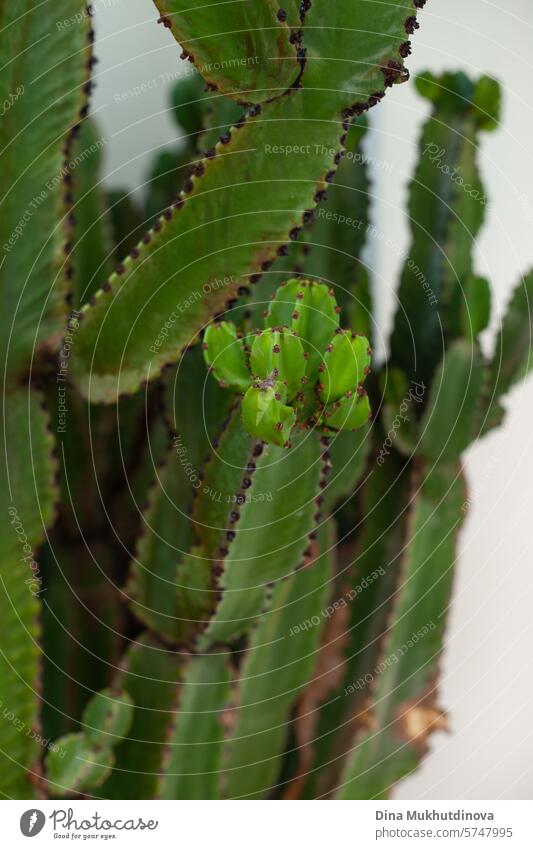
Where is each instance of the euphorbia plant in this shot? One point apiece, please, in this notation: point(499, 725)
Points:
point(302, 368)
point(185, 631)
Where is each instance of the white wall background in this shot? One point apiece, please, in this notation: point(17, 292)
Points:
point(488, 667)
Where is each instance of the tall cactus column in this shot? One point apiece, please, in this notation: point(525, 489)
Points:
point(246, 198)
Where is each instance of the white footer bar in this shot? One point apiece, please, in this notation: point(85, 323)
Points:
point(268, 825)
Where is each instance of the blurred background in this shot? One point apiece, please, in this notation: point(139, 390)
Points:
point(488, 661)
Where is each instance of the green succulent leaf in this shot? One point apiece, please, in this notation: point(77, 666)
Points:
point(34, 129)
point(349, 413)
point(266, 417)
point(224, 354)
point(280, 354)
point(346, 364)
point(310, 309)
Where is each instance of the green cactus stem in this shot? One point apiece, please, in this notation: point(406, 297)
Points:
point(192, 761)
point(277, 665)
point(364, 591)
point(403, 710)
point(29, 494)
point(149, 676)
point(35, 139)
point(125, 338)
point(244, 50)
point(447, 206)
point(82, 762)
point(265, 534)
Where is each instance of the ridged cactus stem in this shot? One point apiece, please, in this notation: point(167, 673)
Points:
point(270, 205)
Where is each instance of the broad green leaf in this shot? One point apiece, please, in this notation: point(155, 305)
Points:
point(43, 68)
